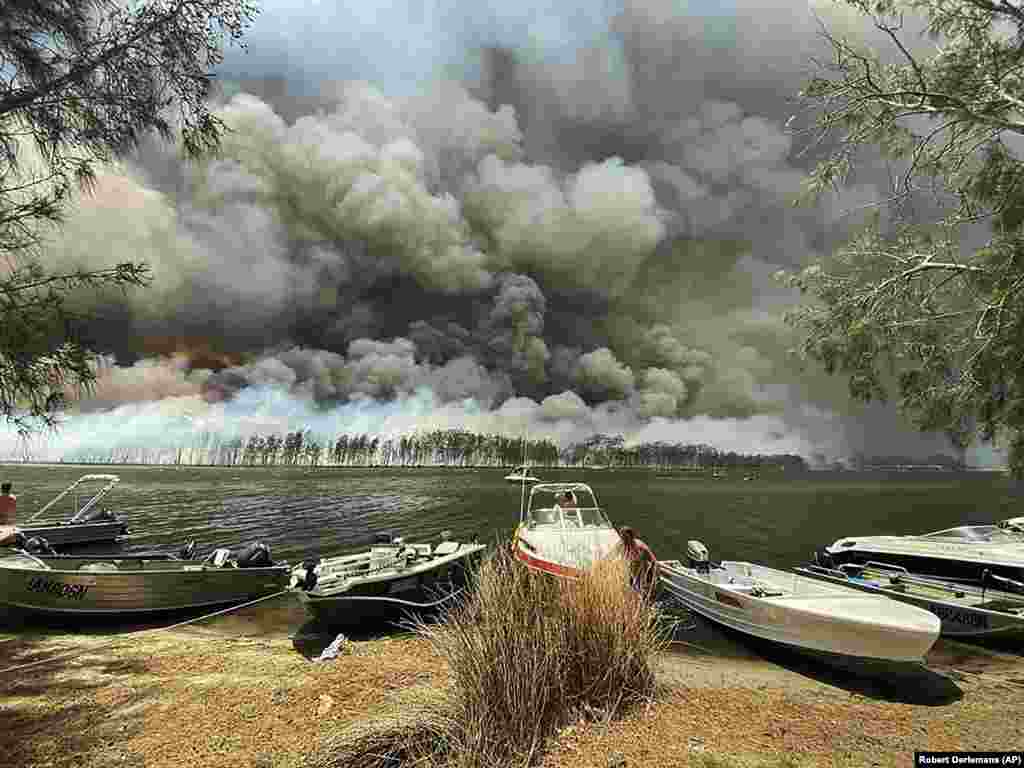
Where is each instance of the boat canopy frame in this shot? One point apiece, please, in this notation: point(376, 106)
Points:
point(111, 481)
point(574, 518)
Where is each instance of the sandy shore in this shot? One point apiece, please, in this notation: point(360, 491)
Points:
point(240, 691)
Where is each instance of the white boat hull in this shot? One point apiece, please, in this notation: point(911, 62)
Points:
point(835, 621)
point(957, 554)
point(565, 553)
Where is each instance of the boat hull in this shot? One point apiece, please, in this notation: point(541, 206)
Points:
point(958, 620)
point(563, 552)
point(955, 562)
point(417, 593)
point(846, 625)
point(151, 588)
point(68, 534)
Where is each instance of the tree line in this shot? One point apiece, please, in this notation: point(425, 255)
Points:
point(449, 448)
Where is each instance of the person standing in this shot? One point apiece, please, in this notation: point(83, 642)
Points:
point(642, 562)
point(8, 514)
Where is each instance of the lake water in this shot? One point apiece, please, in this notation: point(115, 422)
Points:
point(777, 519)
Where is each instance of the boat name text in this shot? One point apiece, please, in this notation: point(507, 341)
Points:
point(57, 588)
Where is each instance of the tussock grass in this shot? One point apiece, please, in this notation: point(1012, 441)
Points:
point(528, 653)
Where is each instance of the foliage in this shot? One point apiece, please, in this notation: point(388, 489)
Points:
point(457, 448)
point(917, 304)
point(529, 654)
point(37, 359)
point(81, 83)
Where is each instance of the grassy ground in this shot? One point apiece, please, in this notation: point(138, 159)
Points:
point(194, 697)
point(577, 676)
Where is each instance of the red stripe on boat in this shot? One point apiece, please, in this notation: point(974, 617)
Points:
point(546, 565)
point(728, 600)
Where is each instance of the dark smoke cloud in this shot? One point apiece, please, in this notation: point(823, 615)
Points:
point(560, 244)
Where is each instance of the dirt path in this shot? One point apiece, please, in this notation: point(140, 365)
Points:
point(201, 696)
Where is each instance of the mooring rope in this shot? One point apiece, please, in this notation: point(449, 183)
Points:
point(152, 630)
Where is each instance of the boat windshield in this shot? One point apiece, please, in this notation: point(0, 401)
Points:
point(550, 508)
point(980, 533)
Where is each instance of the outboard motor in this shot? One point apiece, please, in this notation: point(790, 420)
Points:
point(1012, 525)
point(383, 539)
point(96, 516)
point(188, 551)
point(824, 559)
point(256, 555)
point(37, 545)
point(697, 555)
point(219, 557)
point(310, 580)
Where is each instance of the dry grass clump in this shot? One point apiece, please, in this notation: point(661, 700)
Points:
point(528, 653)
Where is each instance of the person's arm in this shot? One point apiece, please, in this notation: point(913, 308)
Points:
point(650, 553)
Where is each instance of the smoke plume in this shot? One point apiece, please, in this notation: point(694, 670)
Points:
point(560, 233)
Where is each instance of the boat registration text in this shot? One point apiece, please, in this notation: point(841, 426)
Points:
point(57, 588)
point(956, 616)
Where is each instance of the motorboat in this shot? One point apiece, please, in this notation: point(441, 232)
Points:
point(88, 524)
point(388, 581)
point(959, 554)
point(563, 539)
point(521, 475)
point(130, 584)
point(798, 612)
point(965, 611)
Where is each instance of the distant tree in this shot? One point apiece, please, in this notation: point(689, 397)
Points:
point(270, 448)
point(81, 81)
point(312, 451)
point(931, 304)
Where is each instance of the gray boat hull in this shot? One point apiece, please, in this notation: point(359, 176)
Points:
point(69, 534)
point(958, 620)
point(419, 593)
point(138, 587)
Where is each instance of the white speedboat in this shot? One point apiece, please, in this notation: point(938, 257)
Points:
point(965, 611)
point(800, 613)
point(563, 538)
point(521, 475)
point(390, 580)
point(88, 524)
point(957, 554)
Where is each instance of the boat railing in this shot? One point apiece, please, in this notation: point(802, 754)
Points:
point(568, 517)
point(377, 561)
point(110, 480)
point(900, 575)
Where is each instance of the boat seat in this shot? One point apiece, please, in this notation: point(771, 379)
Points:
point(545, 517)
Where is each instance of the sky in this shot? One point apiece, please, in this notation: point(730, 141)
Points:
point(539, 218)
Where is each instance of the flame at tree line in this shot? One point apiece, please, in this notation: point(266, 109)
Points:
point(447, 448)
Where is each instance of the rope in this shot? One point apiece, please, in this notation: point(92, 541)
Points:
point(396, 600)
point(153, 630)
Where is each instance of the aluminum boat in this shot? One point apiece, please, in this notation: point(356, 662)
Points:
point(800, 613)
point(391, 580)
point(88, 524)
point(965, 611)
point(130, 584)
